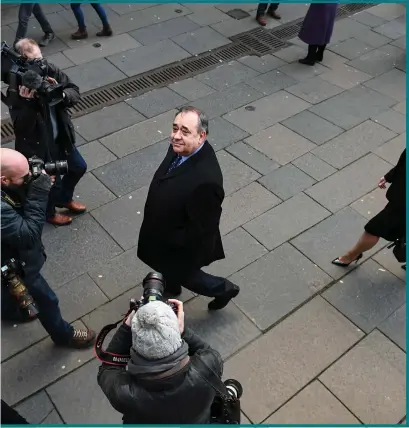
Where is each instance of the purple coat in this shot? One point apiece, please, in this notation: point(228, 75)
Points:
point(318, 24)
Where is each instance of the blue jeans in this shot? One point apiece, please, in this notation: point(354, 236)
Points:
point(49, 311)
point(79, 16)
point(63, 190)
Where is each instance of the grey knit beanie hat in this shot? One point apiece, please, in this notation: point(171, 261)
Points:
point(155, 331)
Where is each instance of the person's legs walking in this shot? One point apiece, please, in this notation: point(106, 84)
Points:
point(260, 14)
point(365, 243)
point(49, 35)
point(24, 14)
point(52, 216)
point(81, 33)
point(106, 28)
point(272, 11)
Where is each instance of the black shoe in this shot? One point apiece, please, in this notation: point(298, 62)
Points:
point(338, 262)
point(319, 56)
point(311, 56)
point(47, 38)
point(222, 301)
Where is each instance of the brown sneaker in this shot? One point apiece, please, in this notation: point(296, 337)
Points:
point(80, 34)
point(59, 220)
point(105, 32)
point(261, 20)
point(74, 206)
point(82, 338)
point(274, 14)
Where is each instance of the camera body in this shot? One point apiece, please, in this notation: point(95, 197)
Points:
point(153, 289)
point(10, 274)
point(51, 168)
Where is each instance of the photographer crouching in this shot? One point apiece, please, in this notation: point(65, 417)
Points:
point(38, 98)
point(26, 295)
point(157, 371)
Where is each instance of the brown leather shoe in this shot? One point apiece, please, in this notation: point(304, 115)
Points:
point(80, 34)
point(82, 338)
point(261, 20)
point(59, 220)
point(274, 14)
point(74, 206)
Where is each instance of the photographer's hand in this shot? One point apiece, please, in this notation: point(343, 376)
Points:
point(129, 319)
point(180, 315)
point(52, 80)
point(26, 93)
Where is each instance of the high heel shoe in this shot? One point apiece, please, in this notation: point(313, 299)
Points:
point(338, 262)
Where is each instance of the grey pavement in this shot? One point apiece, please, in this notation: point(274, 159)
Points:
point(309, 341)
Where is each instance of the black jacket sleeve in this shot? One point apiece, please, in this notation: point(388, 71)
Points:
point(24, 231)
point(23, 113)
point(390, 176)
point(72, 91)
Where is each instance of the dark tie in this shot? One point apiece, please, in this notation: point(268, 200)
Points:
point(176, 162)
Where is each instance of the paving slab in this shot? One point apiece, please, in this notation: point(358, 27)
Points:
point(387, 260)
point(388, 11)
point(244, 205)
point(331, 238)
point(400, 43)
point(201, 40)
point(60, 60)
point(353, 107)
point(286, 221)
point(223, 134)
point(375, 389)
point(226, 331)
point(276, 284)
point(208, 16)
point(92, 192)
point(271, 82)
point(109, 46)
point(393, 29)
point(313, 127)
point(140, 135)
point(291, 348)
point(392, 120)
point(240, 249)
point(368, 19)
point(53, 419)
point(392, 150)
point(156, 102)
point(370, 38)
point(371, 204)
point(91, 404)
point(252, 157)
point(36, 408)
point(96, 155)
point(314, 166)
point(378, 61)
point(78, 258)
point(400, 107)
point(314, 90)
point(38, 367)
point(232, 27)
point(145, 58)
point(119, 274)
point(346, 28)
point(394, 327)
point(300, 72)
point(164, 30)
point(353, 144)
point(106, 121)
point(287, 181)
point(236, 174)
point(220, 103)
point(391, 83)
point(125, 8)
point(351, 48)
point(226, 75)
point(191, 89)
point(134, 171)
point(332, 60)
point(345, 76)
point(313, 405)
point(122, 218)
point(367, 295)
point(280, 143)
point(262, 64)
point(94, 74)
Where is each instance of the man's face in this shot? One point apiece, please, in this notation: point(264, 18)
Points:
point(31, 52)
point(17, 178)
point(185, 137)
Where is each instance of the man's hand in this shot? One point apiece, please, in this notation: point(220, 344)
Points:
point(382, 183)
point(129, 319)
point(26, 93)
point(181, 314)
point(51, 80)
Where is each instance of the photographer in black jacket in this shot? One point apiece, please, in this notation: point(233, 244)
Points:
point(161, 384)
point(23, 207)
point(46, 131)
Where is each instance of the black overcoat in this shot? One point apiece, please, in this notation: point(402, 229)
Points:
point(180, 230)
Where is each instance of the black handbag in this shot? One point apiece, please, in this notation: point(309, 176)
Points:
point(399, 249)
point(225, 408)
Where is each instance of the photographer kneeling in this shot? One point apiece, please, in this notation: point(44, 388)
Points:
point(165, 379)
point(23, 206)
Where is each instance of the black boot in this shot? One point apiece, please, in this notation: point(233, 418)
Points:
point(320, 53)
point(222, 301)
point(311, 56)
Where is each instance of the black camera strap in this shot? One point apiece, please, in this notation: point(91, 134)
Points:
point(6, 198)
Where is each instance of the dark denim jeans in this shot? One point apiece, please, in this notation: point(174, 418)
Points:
point(262, 7)
point(49, 311)
point(63, 190)
point(79, 15)
point(24, 14)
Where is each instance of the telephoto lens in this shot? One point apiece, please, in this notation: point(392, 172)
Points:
point(234, 388)
point(56, 168)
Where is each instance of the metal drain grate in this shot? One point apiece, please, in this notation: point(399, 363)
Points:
point(287, 32)
point(260, 41)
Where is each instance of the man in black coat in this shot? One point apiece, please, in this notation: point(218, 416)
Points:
point(180, 230)
point(46, 131)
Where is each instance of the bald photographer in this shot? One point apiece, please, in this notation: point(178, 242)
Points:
point(38, 97)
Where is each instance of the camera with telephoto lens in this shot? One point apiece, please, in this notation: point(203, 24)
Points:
point(153, 289)
point(51, 168)
point(223, 412)
point(10, 275)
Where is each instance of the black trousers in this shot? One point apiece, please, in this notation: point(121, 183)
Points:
point(9, 416)
point(24, 14)
point(199, 282)
point(262, 7)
